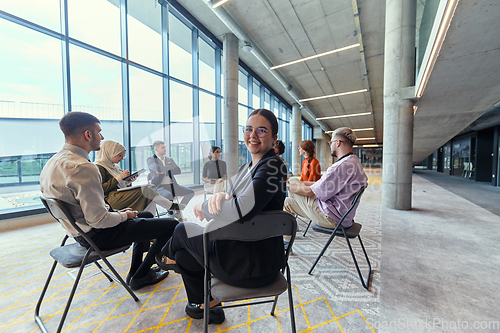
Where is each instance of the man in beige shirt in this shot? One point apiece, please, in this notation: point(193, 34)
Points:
point(70, 176)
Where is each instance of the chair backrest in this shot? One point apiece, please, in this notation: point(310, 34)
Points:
point(262, 226)
point(59, 211)
point(358, 195)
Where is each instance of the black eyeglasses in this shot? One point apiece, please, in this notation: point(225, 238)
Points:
point(260, 131)
point(330, 142)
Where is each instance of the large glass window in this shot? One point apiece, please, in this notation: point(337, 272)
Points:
point(207, 65)
point(207, 126)
point(242, 88)
point(256, 96)
point(31, 104)
point(45, 13)
point(181, 130)
point(32, 88)
point(146, 116)
point(144, 33)
point(267, 101)
point(96, 22)
point(96, 88)
point(180, 50)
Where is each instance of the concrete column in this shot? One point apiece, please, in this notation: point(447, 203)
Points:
point(320, 153)
point(399, 61)
point(327, 153)
point(296, 138)
point(230, 125)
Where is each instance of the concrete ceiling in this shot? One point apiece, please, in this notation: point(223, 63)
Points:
point(463, 84)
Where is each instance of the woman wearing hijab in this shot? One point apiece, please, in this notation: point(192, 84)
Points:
point(139, 199)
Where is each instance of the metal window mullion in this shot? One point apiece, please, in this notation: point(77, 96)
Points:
point(195, 154)
point(66, 77)
point(262, 96)
point(166, 76)
point(125, 83)
point(218, 98)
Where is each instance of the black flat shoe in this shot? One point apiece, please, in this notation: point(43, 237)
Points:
point(216, 314)
point(161, 261)
point(155, 269)
point(151, 278)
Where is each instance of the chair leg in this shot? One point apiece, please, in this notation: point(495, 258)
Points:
point(366, 284)
point(206, 310)
point(274, 304)
point(323, 250)
point(119, 278)
point(73, 290)
point(307, 228)
point(103, 271)
point(290, 300)
point(38, 320)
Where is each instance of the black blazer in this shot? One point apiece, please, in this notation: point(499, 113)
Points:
point(155, 165)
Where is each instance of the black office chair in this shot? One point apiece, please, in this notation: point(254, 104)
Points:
point(263, 226)
point(351, 232)
point(74, 255)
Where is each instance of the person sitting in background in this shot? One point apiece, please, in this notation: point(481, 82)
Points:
point(279, 149)
point(140, 198)
point(327, 200)
point(311, 170)
point(162, 170)
point(214, 172)
point(69, 176)
point(258, 186)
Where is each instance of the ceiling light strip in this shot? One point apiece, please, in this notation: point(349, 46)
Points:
point(358, 139)
point(334, 95)
point(316, 56)
point(345, 116)
point(438, 43)
point(356, 129)
point(219, 3)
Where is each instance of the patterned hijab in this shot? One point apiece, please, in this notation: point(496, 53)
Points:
point(109, 149)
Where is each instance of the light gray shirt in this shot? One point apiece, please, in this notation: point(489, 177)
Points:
point(70, 177)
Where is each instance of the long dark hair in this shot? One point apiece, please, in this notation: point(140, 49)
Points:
point(212, 150)
point(270, 117)
point(308, 147)
point(280, 145)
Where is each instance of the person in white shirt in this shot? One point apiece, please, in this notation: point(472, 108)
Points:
point(70, 177)
point(162, 170)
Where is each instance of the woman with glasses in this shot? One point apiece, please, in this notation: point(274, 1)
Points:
point(214, 172)
point(311, 170)
point(113, 178)
point(258, 186)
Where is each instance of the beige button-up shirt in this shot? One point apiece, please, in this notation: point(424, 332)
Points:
point(70, 177)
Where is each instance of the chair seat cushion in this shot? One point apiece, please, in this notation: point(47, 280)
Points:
point(351, 232)
point(71, 255)
point(224, 292)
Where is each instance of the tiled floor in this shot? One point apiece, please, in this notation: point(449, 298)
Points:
point(330, 300)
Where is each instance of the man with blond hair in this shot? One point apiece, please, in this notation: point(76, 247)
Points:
point(326, 200)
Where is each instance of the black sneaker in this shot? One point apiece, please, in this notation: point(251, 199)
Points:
point(216, 314)
point(177, 207)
